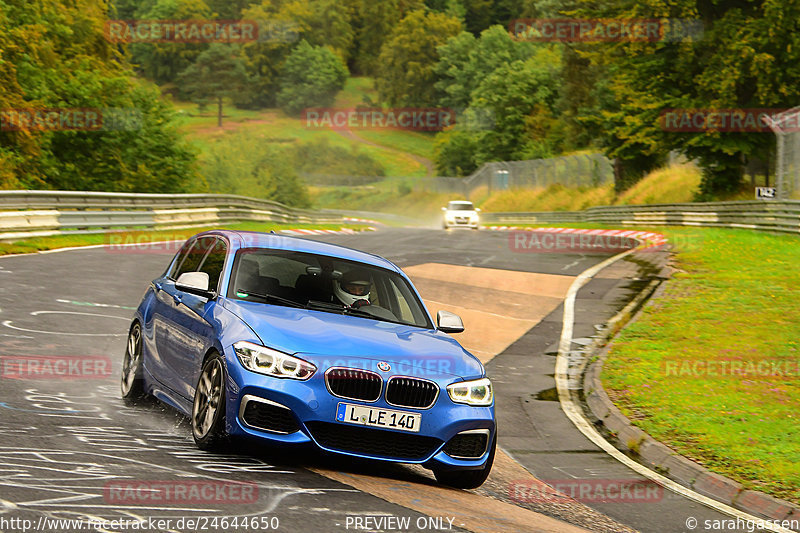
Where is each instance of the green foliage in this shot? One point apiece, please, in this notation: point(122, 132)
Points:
point(163, 62)
point(246, 165)
point(455, 153)
point(320, 157)
point(216, 73)
point(54, 55)
point(311, 78)
point(406, 76)
point(748, 57)
point(229, 9)
point(521, 96)
point(466, 61)
point(377, 22)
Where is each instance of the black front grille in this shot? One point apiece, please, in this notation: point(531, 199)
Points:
point(373, 442)
point(468, 445)
point(270, 417)
point(411, 392)
point(354, 384)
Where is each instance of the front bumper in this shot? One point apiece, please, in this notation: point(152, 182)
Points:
point(314, 410)
point(461, 223)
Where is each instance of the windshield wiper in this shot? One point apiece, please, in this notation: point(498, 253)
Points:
point(270, 297)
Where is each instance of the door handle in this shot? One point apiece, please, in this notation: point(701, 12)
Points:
point(177, 298)
point(158, 286)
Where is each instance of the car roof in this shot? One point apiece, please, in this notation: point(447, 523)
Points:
point(255, 239)
point(460, 202)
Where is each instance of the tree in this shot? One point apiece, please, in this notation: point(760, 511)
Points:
point(748, 57)
point(466, 61)
point(378, 21)
point(264, 59)
point(240, 163)
point(406, 75)
point(162, 62)
point(312, 75)
point(522, 96)
point(55, 56)
point(217, 73)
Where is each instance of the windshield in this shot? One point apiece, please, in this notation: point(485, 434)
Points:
point(327, 284)
point(460, 206)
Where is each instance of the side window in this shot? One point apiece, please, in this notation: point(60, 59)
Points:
point(213, 263)
point(179, 257)
point(195, 255)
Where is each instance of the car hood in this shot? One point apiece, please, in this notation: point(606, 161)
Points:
point(331, 339)
point(461, 213)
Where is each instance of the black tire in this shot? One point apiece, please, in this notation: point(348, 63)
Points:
point(132, 382)
point(208, 408)
point(467, 479)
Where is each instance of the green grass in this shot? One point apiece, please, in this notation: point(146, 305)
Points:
point(395, 153)
point(37, 244)
point(670, 185)
point(734, 299)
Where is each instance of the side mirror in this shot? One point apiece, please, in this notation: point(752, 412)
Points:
point(195, 283)
point(477, 209)
point(444, 209)
point(449, 322)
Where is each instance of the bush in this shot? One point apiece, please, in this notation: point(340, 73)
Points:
point(242, 164)
point(320, 157)
point(311, 77)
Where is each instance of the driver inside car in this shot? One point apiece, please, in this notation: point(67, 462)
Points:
point(353, 290)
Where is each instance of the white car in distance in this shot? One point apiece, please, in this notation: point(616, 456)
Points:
point(460, 214)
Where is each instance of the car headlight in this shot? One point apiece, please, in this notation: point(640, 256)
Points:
point(272, 362)
point(476, 392)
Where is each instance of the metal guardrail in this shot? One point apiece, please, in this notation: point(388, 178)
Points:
point(780, 216)
point(45, 213)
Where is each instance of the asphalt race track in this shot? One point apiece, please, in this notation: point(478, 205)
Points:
point(65, 444)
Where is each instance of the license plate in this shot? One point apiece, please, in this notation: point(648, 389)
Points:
point(382, 418)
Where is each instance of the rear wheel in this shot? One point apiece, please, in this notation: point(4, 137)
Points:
point(132, 383)
point(208, 410)
point(467, 479)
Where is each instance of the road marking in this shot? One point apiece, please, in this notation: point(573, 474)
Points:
point(574, 413)
point(8, 324)
point(94, 304)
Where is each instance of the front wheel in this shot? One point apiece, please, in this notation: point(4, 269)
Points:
point(208, 410)
point(132, 383)
point(467, 479)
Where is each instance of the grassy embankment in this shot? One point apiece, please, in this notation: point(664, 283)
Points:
point(712, 366)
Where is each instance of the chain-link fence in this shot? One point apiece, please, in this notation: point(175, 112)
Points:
point(787, 157)
point(587, 170)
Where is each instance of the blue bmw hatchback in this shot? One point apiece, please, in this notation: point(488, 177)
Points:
point(297, 342)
